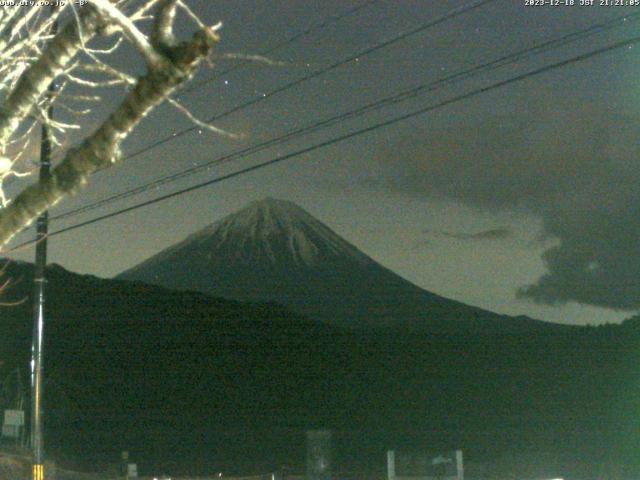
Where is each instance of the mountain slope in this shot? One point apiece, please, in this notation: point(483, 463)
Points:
point(273, 250)
point(142, 368)
point(193, 384)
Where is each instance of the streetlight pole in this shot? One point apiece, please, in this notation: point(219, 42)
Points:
point(37, 345)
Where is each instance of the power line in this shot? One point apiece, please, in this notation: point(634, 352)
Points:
point(443, 18)
point(323, 24)
point(335, 140)
point(390, 100)
point(367, 51)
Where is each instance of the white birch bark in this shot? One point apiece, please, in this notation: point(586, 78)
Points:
point(168, 65)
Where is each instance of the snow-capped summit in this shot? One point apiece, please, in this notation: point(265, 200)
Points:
point(273, 231)
point(273, 250)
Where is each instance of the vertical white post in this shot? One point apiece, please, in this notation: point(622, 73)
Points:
point(459, 465)
point(391, 465)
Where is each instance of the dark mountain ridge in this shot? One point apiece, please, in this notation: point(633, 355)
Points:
point(193, 384)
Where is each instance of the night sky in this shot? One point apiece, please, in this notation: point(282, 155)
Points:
point(522, 200)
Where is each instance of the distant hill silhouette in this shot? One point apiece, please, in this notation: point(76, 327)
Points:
point(191, 383)
point(275, 251)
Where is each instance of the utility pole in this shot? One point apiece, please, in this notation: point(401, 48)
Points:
point(39, 280)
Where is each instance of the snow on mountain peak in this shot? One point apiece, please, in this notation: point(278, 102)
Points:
point(279, 228)
point(270, 230)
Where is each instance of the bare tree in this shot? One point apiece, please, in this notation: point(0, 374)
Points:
point(32, 57)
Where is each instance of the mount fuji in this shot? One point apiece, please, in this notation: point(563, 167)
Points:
point(274, 251)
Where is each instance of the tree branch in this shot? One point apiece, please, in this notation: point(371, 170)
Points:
point(35, 81)
point(135, 36)
point(101, 149)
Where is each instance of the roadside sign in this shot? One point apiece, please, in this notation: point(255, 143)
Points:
point(132, 470)
point(13, 423)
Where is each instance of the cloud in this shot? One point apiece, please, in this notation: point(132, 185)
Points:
point(597, 261)
point(574, 166)
point(422, 245)
point(491, 234)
